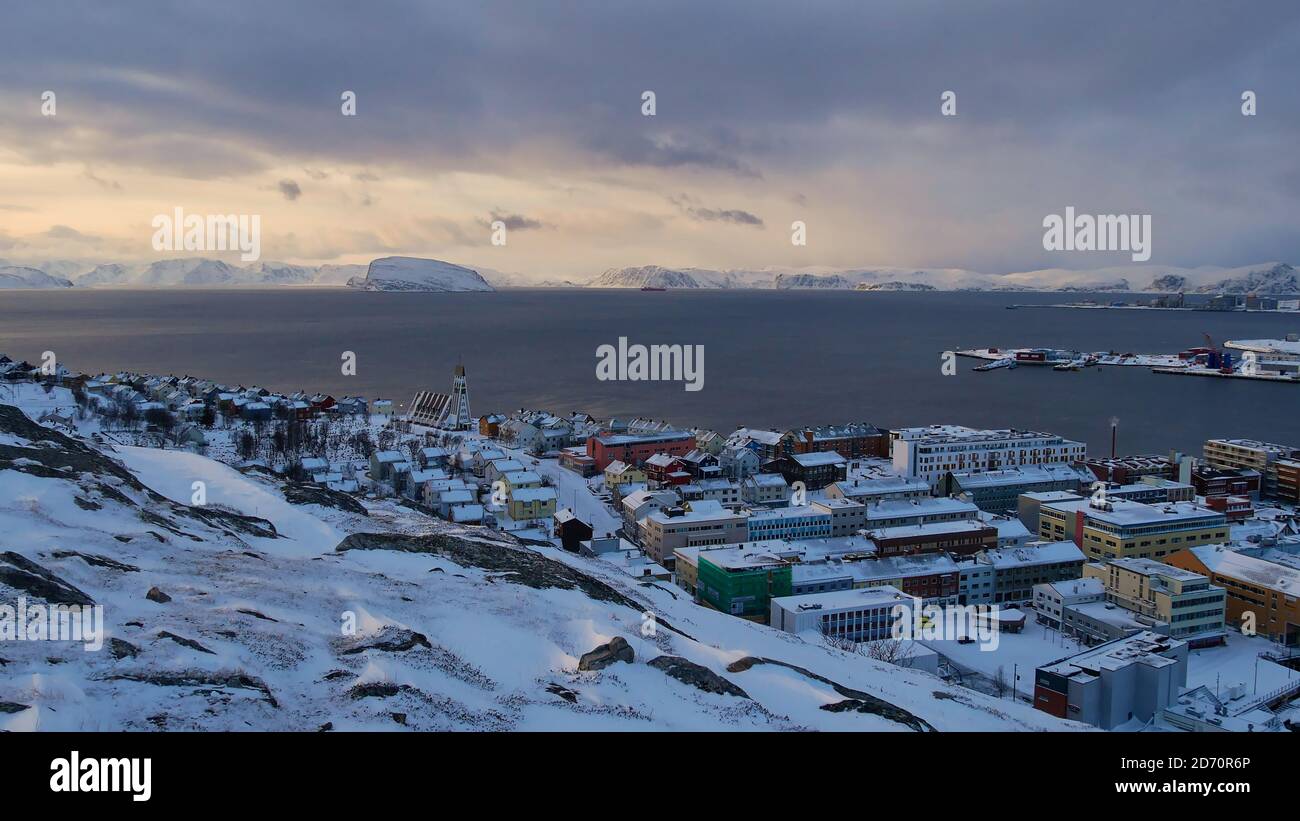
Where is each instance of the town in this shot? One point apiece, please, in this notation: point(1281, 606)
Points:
point(1128, 591)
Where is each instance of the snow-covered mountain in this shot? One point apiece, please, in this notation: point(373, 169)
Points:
point(656, 276)
point(288, 607)
point(415, 274)
point(1277, 279)
point(201, 272)
point(20, 277)
point(894, 285)
point(338, 274)
point(1268, 278)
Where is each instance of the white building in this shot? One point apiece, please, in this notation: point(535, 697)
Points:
point(930, 453)
point(866, 614)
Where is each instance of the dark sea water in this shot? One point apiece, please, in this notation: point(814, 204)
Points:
point(771, 359)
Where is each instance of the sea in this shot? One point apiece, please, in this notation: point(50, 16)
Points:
point(771, 359)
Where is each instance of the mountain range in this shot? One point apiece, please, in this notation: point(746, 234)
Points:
point(411, 273)
point(1266, 278)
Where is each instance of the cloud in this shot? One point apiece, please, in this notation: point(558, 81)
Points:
point(689, 206)
point(1114, 106)
point(63, 232)
point(513, 222)
point(111, 185)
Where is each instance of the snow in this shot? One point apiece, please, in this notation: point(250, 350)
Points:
point(413, 274)
point(173, 473)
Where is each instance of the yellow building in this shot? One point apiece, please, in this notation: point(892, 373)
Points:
point(1120, 529)
point(519, 479)
point(621, 473)
point(531, 503)
point(1194, 609)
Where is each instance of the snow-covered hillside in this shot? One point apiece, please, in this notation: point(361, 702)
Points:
point(1268, 278)
point(17, 276)
point(231, 616)
point(414, 274)
point(409, 273)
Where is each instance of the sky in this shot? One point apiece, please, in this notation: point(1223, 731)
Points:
point(530, 114)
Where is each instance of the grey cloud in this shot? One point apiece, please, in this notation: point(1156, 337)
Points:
point(513, 222)
point(1113, 101)
point(290, 189)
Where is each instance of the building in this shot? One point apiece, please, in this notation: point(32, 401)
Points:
point(1131, 679)
point(570, 530)
point(1235, 509)
point(1267, 593)
point(1212, 482)
point(766, 444)
point(854, 615)
point(741, 581)
point(638, 504)
point(490, 425)
point(997, 491)
point(815, 470)
point(1288, 481)
point(618, 474)
point(974, 582)
point(686, 560)
point(882, 489)
point(691, 525)
point(959, 538)
point(1016, 570)
point(1125, 470)
point(855, 440)
point(797, 522)
point(722, 491)
point(932, 577)
point(924, 511)
point(1183, 599)
point(738, 462)
point(847, 516)
point(769, 489)
point(382, 463)
point(635, 448)
point(1119, 529)
point(447, 411)
point(531, 503)
point(1150, 490)
point(1250, 454)
point(931, 453)
point(1029, 506)
point(1052, 599)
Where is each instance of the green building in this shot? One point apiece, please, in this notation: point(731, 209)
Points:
point(742, 581)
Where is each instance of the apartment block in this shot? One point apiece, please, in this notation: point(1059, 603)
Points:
point(1266, 592)
point(930, 453)
point(1193, 608)
point(1119, 529)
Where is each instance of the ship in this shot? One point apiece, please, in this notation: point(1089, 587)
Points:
point(1005, 362)
point(652, 288)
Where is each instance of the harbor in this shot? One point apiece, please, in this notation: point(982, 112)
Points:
point(1264, 360)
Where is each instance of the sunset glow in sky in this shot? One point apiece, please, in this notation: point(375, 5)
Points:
point(766, 113)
